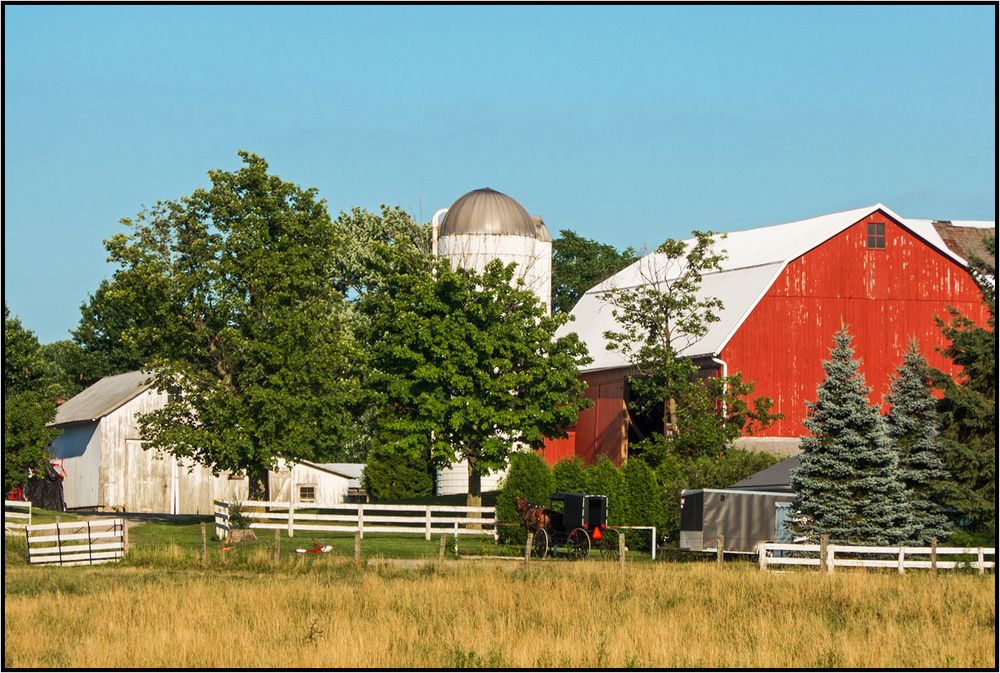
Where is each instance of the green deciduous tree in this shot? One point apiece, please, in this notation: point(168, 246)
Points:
point(968, 409)
point(362, 234)
point(235, 291)
point(27, 405)
point(466, 366)
point(913, 427)
point(848, 483)
point(579, 264)
point(659, 319)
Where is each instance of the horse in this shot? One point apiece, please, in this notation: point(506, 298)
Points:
point(535, 517)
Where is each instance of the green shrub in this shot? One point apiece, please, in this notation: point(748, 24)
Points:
point(528, 477)
point(645, 502)
point(390, 475)
point(603, 478)
point(570, 476)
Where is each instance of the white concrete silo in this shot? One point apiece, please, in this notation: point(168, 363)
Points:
point(479, 227)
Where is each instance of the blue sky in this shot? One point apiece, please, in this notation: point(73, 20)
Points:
point(625, 124)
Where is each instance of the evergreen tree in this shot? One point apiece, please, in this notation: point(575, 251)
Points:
point(969, 410)
point(913, 427)
point(848, 485)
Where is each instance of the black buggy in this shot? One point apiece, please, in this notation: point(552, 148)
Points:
point(580, 527)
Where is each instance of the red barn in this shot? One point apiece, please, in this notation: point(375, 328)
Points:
point(786, 289)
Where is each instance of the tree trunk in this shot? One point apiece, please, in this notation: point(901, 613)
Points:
point(260, 489)
point(474, 497)
point(669, 417)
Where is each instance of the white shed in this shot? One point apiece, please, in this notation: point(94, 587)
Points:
point(107, 465)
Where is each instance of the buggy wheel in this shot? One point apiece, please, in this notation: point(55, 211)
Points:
point(540, 545)
point(578, 544)
point(609, 544)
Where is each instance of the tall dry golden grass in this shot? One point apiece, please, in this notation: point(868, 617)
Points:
point(474, 615)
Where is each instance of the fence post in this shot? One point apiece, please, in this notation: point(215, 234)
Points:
point(124, 537)
point(441, 547)
point(979, 562)
point(902, 557)
point(291, 514)
point(528, 544)
point(621, 551)
point(204, 545)
point(277, 545)
point(762, 556)
point(824, 541)
point(654, 542)
point(361, 520)
point(456, 538)
point(90, 542)
point(357, 547)
point(427, 522)
point(830, 565)
point(718, 551)
point(933, 556)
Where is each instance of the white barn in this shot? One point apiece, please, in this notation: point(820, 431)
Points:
point(108, 467)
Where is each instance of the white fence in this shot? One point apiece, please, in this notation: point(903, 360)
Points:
point(77, 542)
point(361, 518)
point(16, 515)
point(902, 556)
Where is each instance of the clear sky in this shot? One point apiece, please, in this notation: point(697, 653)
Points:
point(625, 124)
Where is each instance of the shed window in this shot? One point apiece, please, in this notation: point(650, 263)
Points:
point(876, 235)
point(307, 494)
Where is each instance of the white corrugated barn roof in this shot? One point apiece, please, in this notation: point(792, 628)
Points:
point(102, 398)
point(754, 259)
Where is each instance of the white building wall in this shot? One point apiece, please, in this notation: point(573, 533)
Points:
point(78, 451)
point(455, 479)
point(285, 484)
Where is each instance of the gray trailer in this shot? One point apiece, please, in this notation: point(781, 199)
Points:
point(743, 518)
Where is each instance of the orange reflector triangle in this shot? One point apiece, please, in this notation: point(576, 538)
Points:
point(597, 533)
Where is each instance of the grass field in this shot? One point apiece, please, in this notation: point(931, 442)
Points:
point(161, 608)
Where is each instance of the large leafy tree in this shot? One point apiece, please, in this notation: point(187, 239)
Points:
point(110, 321)
point(466, 365)
point(658, 320)
point(248, 333)
point(848, 483)
point(968, 408)
point(363, 232)
point(27, 406)
point(579, 264)
point(913, 427)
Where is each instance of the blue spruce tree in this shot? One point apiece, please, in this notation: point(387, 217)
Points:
point(848, 484)
point(914, 429)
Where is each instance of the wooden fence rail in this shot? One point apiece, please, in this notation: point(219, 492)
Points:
point(361, 518)
point(76, 542)
point(16, 515)
point(901, 557)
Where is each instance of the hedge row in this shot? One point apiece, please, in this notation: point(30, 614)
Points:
point(638, 495)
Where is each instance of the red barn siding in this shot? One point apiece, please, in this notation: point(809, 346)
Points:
point(884, 296)
point(600, 429)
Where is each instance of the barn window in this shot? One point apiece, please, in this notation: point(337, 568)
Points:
point(307, 494)
point(876, 235)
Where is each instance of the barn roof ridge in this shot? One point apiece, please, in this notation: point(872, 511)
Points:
point(755, 259)
point(102, 398)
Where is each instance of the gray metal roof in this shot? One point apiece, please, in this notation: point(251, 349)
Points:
point(102, 398)
point(778, 477)
point(487, 211)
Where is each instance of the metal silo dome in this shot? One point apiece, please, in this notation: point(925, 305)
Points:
point(487, 211)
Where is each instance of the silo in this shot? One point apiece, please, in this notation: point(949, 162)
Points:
point(479, 227)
